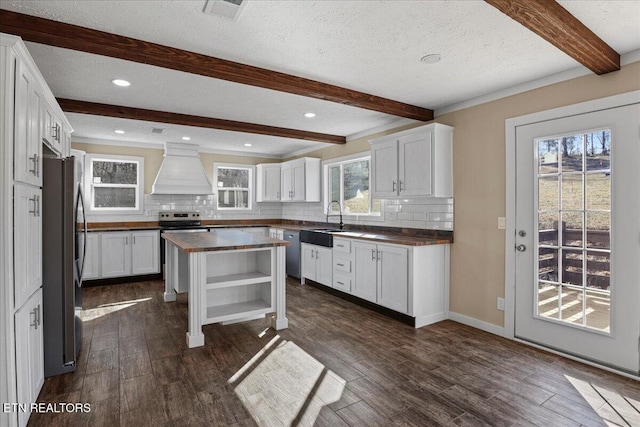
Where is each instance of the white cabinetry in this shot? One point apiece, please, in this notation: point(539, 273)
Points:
point(92, 257)
point(27, 247)
point(51, 128)
point(317, 264)
point(145, 246)
point(260, 231)
point(127, 253)
point(268, 182)
point(343, 265)
point(300, 180)
point(382, 275)
point(276, 233)
point(30, 353)
point(28, 146)
point(414, 163)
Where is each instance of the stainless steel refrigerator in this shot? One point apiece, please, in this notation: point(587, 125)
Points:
point(63, 228)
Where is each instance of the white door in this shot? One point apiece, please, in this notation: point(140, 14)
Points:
point(366, 271)
point(92, 257)
point(287, 189)
point(308, 261)
point(145, 252)
point(28, 242)
point(115, 254)
point(414, 152)
point(393, 282)
point(577, 283)
point(324, 266)
point(272, 183)
point(27, 145)
point(298, 185)
point(384, 168)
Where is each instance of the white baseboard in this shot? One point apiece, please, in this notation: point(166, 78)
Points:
point(478, 324)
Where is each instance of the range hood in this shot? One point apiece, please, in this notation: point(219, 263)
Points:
point(181, 171)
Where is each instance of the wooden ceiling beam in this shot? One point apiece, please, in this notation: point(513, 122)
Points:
point(84, 107)
point(59, 34)
point(555, 24)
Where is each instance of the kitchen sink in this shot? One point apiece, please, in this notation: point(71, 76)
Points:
point(320, 236)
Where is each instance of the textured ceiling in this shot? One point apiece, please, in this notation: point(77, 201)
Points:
point(370, 46)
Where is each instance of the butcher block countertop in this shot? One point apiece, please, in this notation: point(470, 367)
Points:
point(396, 239)
point(223, 240)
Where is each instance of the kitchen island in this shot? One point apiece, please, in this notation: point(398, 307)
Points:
point(230, 276)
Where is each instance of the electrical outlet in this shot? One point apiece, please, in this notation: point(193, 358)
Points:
point(502, 223)
point(500, 303)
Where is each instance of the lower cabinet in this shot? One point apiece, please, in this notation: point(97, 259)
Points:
point(29, 352)
point(317, 264)
point(276, 233)
point(27, 231)
point(412, 280)
point(121, 254)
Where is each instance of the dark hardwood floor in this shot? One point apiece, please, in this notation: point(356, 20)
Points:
point(338, 364)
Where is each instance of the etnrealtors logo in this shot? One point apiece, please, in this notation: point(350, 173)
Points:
point(57, 408)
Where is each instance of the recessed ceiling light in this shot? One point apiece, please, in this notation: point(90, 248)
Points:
point(309, 115)
point(186, 138)
point(119, 131)
point(120, 82)
point(432, 58)
point(247, 145)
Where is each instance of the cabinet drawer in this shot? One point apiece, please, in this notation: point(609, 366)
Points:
point(342, 264)
point(342, 283)
point(340, 245)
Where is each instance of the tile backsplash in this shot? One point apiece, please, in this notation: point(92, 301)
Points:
point(422, 213)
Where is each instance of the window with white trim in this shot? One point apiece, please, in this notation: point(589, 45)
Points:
point(234, 186)
point(114, 184)
point(347, 181)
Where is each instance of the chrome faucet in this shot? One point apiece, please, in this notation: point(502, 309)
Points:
point(329, 210)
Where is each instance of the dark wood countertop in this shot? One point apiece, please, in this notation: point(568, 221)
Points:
point(395, 239)
point(223, 240)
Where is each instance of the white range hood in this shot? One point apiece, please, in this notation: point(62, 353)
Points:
point(181, 171)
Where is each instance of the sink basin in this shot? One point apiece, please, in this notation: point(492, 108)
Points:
point(320, 236)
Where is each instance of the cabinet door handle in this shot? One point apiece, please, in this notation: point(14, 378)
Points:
point(34, 159)
point(58, 129)
point(394, 186)
point(35, 207)
point(126, 240)
point(340, 265)
point(340, 283)
point(373, 254)
point(379, 255)
point(134, 240)
point(38, 205)
point(401, 186)
point(39, 317)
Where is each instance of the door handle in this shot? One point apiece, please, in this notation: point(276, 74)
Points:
point(521, 248)
point(373, 254)
point(340, 265)
point(34, 159)
point(379, 255)
point(401, 186)
point(35, 205)
point(38, 205)
point(394, 186)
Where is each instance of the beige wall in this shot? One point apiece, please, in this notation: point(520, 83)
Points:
point(477, 256)
point(153, 159)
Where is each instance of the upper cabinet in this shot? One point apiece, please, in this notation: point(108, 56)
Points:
point(27, 144)
point(300, 180)
point(51, 128)
point(268, 182)
point(414, 163)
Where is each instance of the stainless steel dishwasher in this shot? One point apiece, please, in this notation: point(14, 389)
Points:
point(293, 253)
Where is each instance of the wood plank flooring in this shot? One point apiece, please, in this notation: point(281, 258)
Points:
point(338, 364)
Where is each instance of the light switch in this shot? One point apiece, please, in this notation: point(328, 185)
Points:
point(502, 223)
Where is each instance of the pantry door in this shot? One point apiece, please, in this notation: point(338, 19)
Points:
point(577, 242)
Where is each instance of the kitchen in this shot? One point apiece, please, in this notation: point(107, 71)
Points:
point(461, 213)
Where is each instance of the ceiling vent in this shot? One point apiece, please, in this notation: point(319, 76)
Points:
point(157, 130)
point(229, 9)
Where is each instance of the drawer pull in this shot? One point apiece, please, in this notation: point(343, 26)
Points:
point(340, 283)
point(341, 265)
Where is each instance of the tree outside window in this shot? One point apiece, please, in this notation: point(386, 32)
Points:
point(233, 185)
point(114, 183)
point(349, 184)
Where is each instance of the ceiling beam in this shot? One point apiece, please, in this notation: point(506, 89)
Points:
point(555, 24)
point(84, 107)
point(59, 34)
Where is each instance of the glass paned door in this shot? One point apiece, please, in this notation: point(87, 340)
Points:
point(577, 262)
point(574, 228)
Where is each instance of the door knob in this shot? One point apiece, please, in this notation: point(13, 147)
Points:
point(522, 233)
point(521, 248)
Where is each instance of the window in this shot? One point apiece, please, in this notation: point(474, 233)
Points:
point(348, 182)
point(114, 183)
point(234, 185)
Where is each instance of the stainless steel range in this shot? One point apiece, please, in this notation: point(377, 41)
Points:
point(178, 222)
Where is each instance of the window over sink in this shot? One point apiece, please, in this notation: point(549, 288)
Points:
point(347, 181)
point(114, 184)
